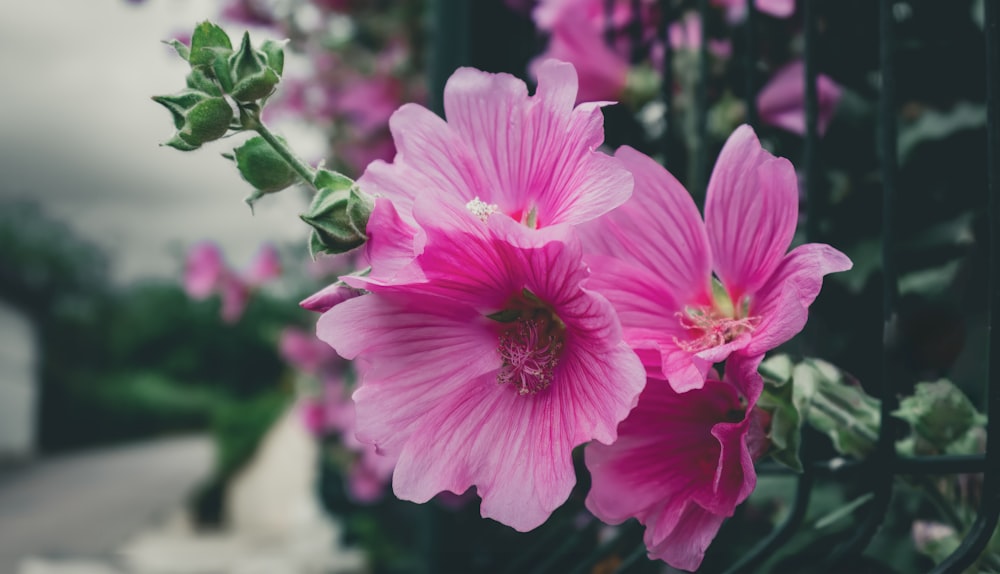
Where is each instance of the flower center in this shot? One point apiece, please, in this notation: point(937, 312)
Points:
point(530, 343)
point(530, 349)
point(481, 209)
point(711, 328)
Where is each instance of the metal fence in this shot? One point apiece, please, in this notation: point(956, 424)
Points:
point(455, 36)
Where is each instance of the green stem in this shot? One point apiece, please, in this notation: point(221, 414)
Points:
point(307, 173)
point(251, 121)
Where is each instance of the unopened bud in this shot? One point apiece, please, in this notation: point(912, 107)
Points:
point(263, 168)
point(338, 214)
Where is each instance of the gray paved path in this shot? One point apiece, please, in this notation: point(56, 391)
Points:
point(89, 503)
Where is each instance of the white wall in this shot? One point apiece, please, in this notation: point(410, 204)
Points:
point(18, 384)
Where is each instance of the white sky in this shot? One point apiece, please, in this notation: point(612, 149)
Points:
point(79, 133)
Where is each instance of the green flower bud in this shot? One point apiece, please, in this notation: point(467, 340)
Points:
point(338, 214)
point(207, 121)
point(207, 42)
point(198, 117)
point(263, 168)
point(274, 52)
point(253, 78)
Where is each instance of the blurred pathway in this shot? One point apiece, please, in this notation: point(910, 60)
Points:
point(120, 512)
point(89, 503)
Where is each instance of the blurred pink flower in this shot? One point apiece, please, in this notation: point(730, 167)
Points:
point(781, 102)
point(492, 363)
point(266, 265)
point(681, 464)
point(303, 351)
point(576, 39)
point(248, 12)
point(368, 101)
point(203, 270)
point(677, 315)
point(736, 9)
point(206, 273)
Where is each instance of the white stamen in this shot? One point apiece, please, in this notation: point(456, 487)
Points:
point(481, 209)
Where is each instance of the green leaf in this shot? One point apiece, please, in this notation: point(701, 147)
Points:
point(262, 167)
point(275, 53)
point(182, 50)
point(180, 103)
point(505, 316)
point(786, 423)
point(843, 412)
point(205, 37)
point(941, 417)
point(179, 144)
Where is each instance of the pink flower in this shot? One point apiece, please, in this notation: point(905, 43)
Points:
point(304, 351)
point(681, 464)
point(659, 257)
point(492, 363)
point(781, 102)
point(737, 8)
point(203, 270)
point(235, 296)
point(532, 158)
point(578, 39)
point(266, 265)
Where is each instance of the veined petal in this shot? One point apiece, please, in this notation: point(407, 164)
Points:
point(750, 212)
point(783, 303)
point(391, 244)
point(431, 160)
point(658, 229)
point(669, 455)
point(535, 153)
point(417, 351)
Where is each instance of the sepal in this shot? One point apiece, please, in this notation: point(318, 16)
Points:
point(338, 214)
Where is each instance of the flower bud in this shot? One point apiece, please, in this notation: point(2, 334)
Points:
point(942, 417)
point(263, 168)
point(252, 75)
point(198, 117)
point(338, 214)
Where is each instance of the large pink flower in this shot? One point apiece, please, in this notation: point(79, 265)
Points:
point(654, 259)
point(532, 158)
point(490, 364)
point(781, 102)
point(681, 464)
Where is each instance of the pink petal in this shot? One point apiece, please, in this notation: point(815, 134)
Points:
point(781, 102)
point(677, 460)
point(430, 160)
point(203, 270)
point(426, 351)
point(603, 72)
point(325, 299)
point(390, 246)
point(266, 265)
point(783, 303)
point(235, 296)
point(750, 211)
point(658, 229)
point(536, 152)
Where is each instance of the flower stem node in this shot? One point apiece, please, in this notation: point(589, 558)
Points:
point(338, 214)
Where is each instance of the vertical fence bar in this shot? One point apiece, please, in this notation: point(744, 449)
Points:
point(451, 21)
point(750, 62)
point(815, 199)
point(881, 463)
point(698, 175)
point(986, 521)
point(638, 48)
point(667, 83)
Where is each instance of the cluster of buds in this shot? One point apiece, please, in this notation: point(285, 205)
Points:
point(226, 91)
point(248, 76)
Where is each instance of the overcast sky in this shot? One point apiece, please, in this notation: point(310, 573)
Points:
point(79, 133)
